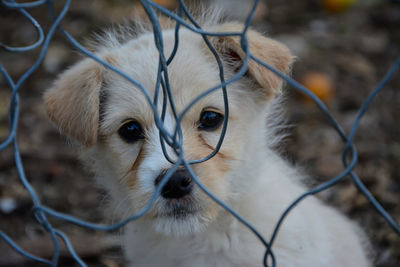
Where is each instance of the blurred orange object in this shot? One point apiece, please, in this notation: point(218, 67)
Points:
point(170, 4)
point(337, 6)
point(318, 83)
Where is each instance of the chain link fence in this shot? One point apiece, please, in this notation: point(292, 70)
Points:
point(183, 18)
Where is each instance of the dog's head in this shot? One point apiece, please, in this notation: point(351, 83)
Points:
point(112, 119)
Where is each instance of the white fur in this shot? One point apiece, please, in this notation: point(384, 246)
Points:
point(256, 182)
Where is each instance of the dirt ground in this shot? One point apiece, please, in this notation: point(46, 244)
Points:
point(349, 50)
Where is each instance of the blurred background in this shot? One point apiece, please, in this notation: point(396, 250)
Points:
point(343, 49)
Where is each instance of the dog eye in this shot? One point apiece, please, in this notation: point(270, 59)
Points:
point(210, 120)
point(131, 131)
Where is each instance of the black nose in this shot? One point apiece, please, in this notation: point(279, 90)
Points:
point(179, 184)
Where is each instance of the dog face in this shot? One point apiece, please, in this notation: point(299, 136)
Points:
point(114, 122)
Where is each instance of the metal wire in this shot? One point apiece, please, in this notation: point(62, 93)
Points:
point(171, 139)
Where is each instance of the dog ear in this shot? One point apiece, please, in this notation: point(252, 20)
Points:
point(266, 49)
point(73, 101)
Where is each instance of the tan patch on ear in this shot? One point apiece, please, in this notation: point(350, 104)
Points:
point(266, 49)
point(73, 101)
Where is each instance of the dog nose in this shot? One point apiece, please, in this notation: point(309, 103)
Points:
point(179, 184)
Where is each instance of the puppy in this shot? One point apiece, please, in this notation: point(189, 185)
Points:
point(113, 122)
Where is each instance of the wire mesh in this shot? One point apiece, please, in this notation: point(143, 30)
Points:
point(173, 140)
